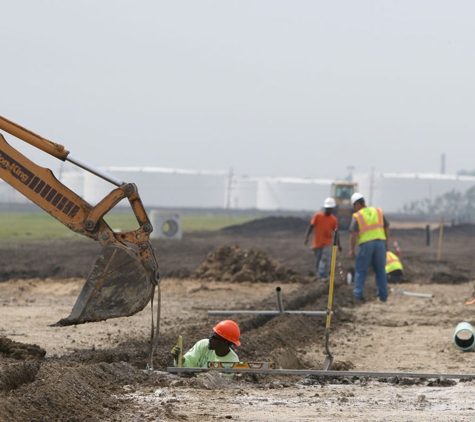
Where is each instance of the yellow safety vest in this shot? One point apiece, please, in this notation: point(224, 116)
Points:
point(392, 262)
point(370, 224)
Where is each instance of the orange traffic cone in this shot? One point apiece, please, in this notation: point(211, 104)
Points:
point(397, 250)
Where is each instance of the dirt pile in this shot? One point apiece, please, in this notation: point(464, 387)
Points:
point(19, 363)
point(21, 351)
point(444, 278)
point(81, 386)
point(231, 263)
point(269, 225)
point(67, 391)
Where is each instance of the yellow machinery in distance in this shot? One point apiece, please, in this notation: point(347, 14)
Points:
point(341, 192)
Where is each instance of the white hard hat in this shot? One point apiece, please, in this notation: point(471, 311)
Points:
point(329, 203)
point(355, 197)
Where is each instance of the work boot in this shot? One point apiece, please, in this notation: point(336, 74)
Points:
point(359, 299)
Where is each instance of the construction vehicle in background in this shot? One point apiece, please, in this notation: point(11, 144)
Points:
point(123, 278)
point(341, 192)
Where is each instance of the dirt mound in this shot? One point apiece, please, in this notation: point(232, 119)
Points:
point(269, 225)
point(444, 278)
point(231, 263)
point(15, 374)
point(20, 351)
point(460, 229)
point(70, 392)
point(19, 363)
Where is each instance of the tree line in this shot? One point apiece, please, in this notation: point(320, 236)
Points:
point(455, 206)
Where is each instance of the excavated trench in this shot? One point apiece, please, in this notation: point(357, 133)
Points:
point(83, 385)
point(85, 381)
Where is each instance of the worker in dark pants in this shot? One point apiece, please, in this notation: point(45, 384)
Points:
point(370, 229)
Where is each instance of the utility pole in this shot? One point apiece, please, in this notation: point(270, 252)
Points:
point(371, 187)
point(229, 189)
point(350, 169)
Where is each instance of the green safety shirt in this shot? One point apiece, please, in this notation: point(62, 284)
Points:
point(370, 224)
point(199, 356)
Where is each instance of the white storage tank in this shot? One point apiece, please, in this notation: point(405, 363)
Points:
point(74, 180)
point(244, 193)
point(292, 194)
point(165, 187)
point(9, 195)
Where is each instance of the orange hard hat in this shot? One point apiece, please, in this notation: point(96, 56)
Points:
point(228, 330)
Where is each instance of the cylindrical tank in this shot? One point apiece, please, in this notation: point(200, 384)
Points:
point(293, 194)
point(244, 193)
point(167, 188)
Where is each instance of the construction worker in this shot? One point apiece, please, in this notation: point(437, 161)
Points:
point(370, 229)
point(394, 268)
point(215, 348)
point(324, 224)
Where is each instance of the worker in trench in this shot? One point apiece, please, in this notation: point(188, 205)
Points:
point(216, 348)
point(394, 268)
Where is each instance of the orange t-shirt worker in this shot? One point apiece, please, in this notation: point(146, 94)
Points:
point(323, 224)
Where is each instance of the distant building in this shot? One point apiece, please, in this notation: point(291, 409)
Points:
point(173, 188)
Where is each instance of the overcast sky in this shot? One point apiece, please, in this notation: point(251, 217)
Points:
point(269, 88)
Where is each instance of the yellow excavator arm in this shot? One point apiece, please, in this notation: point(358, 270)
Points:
point(123, 277)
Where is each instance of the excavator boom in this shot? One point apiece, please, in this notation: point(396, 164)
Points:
point(123, 277)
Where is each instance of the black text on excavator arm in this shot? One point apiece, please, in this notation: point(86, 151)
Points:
point(123, 277)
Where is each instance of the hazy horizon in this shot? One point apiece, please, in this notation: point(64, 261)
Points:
point(267, 88)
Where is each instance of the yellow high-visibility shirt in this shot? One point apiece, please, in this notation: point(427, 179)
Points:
point(392, 262)
point(370, 224)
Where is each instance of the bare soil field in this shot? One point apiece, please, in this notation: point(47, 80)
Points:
point(97, 371)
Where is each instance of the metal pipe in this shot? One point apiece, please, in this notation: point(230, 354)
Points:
point(269, 313)
point(56, 150)
point(401, 292)
point(279, 299)
point(93, 170)
point(323, 373)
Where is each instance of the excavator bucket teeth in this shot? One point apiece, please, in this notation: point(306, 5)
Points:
point(117, 286)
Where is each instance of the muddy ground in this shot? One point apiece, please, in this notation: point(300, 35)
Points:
point(98, 371)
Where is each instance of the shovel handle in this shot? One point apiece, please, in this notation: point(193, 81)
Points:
point(180, 356)
point(332, 278)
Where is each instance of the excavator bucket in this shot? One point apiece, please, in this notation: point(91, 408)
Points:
point(118, 286)
point(123, 278)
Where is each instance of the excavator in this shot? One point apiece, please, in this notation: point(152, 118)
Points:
point(123, 278)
